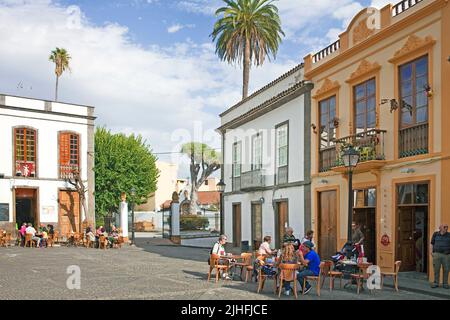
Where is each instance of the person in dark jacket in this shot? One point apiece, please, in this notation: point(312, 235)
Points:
point(441, 255)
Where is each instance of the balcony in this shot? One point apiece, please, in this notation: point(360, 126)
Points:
point(370, 145)
point(252, 180)
point(67, 171)
point(413, 141)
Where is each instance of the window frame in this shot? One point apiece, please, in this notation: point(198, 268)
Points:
point(25, 149)
point(364, 99)
point(257, 139)
point(71, 134)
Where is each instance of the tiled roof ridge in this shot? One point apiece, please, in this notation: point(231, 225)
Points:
point(267, 86)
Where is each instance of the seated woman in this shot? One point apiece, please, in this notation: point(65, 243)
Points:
point(264, 249)
point(288, 256)
point(113, 236)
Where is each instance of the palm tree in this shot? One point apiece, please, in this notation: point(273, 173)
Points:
point(249, 30)
point(60, 57)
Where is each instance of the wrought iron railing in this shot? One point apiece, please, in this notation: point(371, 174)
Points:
point(327, 159)
point(413, 141)
point(68, 171)
point(236, 183)
point(404, 5)
point(252, 179)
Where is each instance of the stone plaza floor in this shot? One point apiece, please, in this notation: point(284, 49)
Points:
point(154, 269)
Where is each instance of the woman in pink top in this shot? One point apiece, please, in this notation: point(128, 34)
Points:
point(264, 248)
point(22, 232)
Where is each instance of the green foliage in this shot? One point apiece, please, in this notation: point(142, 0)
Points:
point(60, 57)
point(201, 152)
point(121, 164)
point(193, 222)
point(256, 21)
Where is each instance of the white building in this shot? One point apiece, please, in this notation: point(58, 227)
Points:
point(43, 143)
point(266, 152)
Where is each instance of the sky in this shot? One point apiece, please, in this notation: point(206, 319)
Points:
point(149, 66)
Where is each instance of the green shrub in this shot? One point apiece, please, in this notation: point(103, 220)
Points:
point(193, 222)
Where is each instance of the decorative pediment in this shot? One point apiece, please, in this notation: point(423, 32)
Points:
point(413, 44)
point(362, 32)
point(326, 87)
point(364, 68)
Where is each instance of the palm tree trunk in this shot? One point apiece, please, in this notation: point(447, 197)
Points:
point(246, 78)
point(56, 89)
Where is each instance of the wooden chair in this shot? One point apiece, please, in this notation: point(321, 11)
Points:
point(332, 274)
point(214, 265)
point(319, 280)
point(28, 239)
point(56, 236)
point(246, 261)
point(288, 272)
point(50, 240)
point(2, 239)
point(120, 242)
point(394, 274)
point(262, 277)
point(7, 239)
point(361, 275)
point(102, 242)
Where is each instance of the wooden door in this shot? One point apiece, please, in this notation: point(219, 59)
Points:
point(365, 218)
point(282, 221)
point(69, 212)
point(257, 235)
point(237, 225)
point(327, 224)
point(405, 243)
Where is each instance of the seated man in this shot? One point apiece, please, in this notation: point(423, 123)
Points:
point(32, 231)
point(312, 262)
point(219, 249)
point(289, 238)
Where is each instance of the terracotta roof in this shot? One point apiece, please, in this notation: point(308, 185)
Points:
point(267, 86)
point(266, 104)
point(208, 197)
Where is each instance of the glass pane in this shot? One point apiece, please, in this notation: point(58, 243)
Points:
point(406, 118)
point(406, 72)
point(405, 194)
point(422, 66)
point(372, 197)
point(421, 99)
point(421, 193)
point(359, 91)
point(422, 115)
point(406, 88)
point(360, 107)
point(421, 82)
point(371, 87)
point(323, 107)
point(360, 121)
point(323, 120)
point(371, 119)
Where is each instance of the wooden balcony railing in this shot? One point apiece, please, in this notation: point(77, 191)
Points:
point(404, 5)
point(67, 171)
point(252, 180)
point(413, 141)
point(370, 145)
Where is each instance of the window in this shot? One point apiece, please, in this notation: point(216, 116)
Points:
point(327, 134)
point(365, 106)
point(409, 194)
point(206, 182)
point(25, 152)
point(237, 150)
point(282, 140)
point(69, 153)
point(413, 134)
point(257, 152)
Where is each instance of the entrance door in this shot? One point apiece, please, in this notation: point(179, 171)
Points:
point(365, 218)
point(69, 212)
point(281, 222)
point(327, 224)
point(237, 225)
point(26, 204)
point(256, 225)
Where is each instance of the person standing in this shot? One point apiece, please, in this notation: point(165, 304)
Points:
point(440, 243)
point(289, 238)
point(357, 235)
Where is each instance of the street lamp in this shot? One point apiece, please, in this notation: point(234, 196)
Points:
point(221, 188)
point(133, 194)
point(350, 157)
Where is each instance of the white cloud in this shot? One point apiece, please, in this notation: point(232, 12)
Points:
point(177, 27)
point(149, 90)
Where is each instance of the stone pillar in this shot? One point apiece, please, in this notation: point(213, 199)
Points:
point(124, 217)
point(175, 219)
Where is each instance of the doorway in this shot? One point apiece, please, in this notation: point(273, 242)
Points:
point(281, 222)
point(26, 205)
point(412, 227)
point(364, 215)
point(257, 235)
point(237, 225)
point(327, 224)
point(69, 212)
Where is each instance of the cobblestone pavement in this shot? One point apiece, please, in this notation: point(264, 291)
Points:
point(154, 269)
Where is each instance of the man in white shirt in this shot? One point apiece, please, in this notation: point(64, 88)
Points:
point(32, 231)
point(219, 249)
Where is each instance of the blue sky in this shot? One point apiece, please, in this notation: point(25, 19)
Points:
point(148, 66)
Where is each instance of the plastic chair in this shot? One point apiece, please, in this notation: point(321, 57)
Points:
point(288, 272)
point(394, 274)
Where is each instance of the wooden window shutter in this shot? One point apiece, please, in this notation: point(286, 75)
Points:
point(64, 148)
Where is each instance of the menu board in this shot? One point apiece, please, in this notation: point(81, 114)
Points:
point(4, 212)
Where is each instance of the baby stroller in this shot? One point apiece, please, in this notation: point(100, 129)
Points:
point(349, 251)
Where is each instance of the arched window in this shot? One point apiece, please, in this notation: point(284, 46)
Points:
point(69, 154)
point(25, 152)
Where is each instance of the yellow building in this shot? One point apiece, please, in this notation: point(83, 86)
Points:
point(384, 87)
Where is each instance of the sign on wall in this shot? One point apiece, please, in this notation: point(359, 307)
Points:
point(4, 212)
